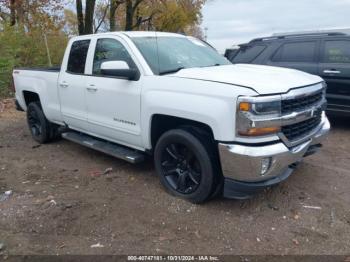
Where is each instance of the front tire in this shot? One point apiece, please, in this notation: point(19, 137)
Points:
point(184, 165)
point(41, 129)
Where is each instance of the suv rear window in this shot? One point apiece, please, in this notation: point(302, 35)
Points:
point(337, 52)
point(296, 52)
point(77, 56)
point(247, 54)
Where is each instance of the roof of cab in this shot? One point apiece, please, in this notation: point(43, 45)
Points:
point(150, 33)
point(131, 34)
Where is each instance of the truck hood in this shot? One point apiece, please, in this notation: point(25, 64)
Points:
point(263, 79)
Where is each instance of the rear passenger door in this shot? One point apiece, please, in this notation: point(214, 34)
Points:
point(71, 85)
point(301, 55)
point(335, 69)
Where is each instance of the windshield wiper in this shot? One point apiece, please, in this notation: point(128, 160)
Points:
point(171, 70)
point(217, 64)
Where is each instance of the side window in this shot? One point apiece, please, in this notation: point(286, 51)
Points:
point(108, 49)
point(337, 52)
point(247, 54)
point(296, 52)
point(77, 56)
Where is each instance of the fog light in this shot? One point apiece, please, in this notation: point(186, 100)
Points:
point(265, 165)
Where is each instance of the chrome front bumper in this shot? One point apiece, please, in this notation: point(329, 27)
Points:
point(244, 163)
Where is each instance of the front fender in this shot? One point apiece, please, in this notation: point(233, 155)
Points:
point(212, 111)
point(207, 102)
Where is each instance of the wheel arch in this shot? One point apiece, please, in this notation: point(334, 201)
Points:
point(30, 97)
point(161, 123)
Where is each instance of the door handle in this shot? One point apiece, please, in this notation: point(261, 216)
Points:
point(64, 84)
point(331, 71)
point(91, 88)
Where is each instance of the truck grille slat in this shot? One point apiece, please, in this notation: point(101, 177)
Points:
point(300, 103)
point(299, 130)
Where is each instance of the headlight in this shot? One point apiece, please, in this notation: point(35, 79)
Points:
point(261, 108)
point(251, 108)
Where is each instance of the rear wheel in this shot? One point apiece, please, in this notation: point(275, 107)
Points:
point(41, 129)
point(184, 165)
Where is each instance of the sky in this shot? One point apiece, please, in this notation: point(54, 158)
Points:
point(232, 22)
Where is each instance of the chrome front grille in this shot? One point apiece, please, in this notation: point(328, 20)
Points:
point(307, 103)
point(299, 130)
point(301, 103)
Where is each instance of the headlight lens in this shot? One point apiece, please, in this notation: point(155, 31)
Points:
point(254, 108)
point(261, 108)
point(267, 108)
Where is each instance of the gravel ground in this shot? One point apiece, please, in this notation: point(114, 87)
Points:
point(61, 204)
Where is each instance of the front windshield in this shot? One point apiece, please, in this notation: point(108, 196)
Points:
point(171, 54)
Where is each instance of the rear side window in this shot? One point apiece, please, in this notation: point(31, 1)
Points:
point(337, 52)
point(77, 56)
point(296, 52)
point(247, 54)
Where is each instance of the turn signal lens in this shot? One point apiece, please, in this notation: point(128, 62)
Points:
point(260, 131)
point(244, 106)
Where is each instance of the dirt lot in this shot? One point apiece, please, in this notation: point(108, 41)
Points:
point(61, 205)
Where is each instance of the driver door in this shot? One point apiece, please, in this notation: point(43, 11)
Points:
point(113, 104)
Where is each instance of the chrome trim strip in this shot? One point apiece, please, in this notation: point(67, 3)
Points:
point(259, 99)
point(292, 118)
point(307, 136)
point(303, 92)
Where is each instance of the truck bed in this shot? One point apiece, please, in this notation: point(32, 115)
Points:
point(40, 81)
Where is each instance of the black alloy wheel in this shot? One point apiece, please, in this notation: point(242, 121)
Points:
point(181, 168)
point(34, 123)
point(185, 166)
point(41, 129)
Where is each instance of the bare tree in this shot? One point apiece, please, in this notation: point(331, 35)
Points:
point(89, 16)
point(12, 13)
point(101, 17)
point(80, 17)
point(130, 9)
point(113, 6)
point(85, 24)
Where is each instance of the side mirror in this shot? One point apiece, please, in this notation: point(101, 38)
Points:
point(119, 69)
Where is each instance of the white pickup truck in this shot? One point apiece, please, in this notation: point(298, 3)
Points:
point(212, 127)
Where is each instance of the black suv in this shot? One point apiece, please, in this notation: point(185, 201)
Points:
point(323, 54)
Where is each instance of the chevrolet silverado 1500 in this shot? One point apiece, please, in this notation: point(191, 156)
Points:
point(212, 127)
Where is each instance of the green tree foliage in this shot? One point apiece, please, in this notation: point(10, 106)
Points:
point(24, 25)
point(177, 15)
point(26, 49)
point(22, 40)
point(183, 16)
